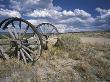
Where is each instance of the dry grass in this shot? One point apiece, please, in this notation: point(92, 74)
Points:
point(70, 61)
point(15, 71)
point(96, 58)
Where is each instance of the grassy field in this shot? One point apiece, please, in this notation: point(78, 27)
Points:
point(70, 60)
point(92, 34)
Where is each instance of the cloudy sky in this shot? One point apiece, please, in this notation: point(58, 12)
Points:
point(66, 15)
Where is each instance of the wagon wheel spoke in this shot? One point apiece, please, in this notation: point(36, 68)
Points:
point(28, 49)
point(48, 28)
point(18, 55)
point(14, 30)
point(11, 33)
point(51, 30)
point(25, 31)
point(15, 33)
point(27, 54)
point(13, 24)
point(23, 56)
point(19, 34)
point(20, 24)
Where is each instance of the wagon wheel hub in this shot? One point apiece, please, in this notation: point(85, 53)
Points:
point(18, 43)
point(13, 43)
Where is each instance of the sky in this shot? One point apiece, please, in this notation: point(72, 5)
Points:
point(66, 15)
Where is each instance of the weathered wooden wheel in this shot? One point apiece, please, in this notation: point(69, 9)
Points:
point(19, 38)
point(49, 34)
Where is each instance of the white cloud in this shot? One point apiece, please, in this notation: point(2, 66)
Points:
point(58, 14)
point(9, 13)
point(30, 5)
point(71, 20)
point(90, 20)
point(82, 13)
point(37, 22)
point(103, 20)
point(32, 1)
point(103, 12)
point(45, 13)
point(68, 13)
point(76, 17)
point(39, 11)
point(61, 27)
point(74, 29)
point(107, 14)
point(76, 13)
point(76, 20)
point(21, 5)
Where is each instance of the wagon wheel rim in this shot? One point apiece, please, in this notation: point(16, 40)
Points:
point(2, 23)
point(23, 41)
point(47, 31)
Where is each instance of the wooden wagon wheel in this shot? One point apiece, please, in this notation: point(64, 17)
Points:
point(48, 32)
point(20, 39)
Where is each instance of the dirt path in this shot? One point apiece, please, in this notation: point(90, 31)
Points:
point(94, 40)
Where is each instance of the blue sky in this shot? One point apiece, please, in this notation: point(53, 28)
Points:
point(87, 5)
point(66, 15)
